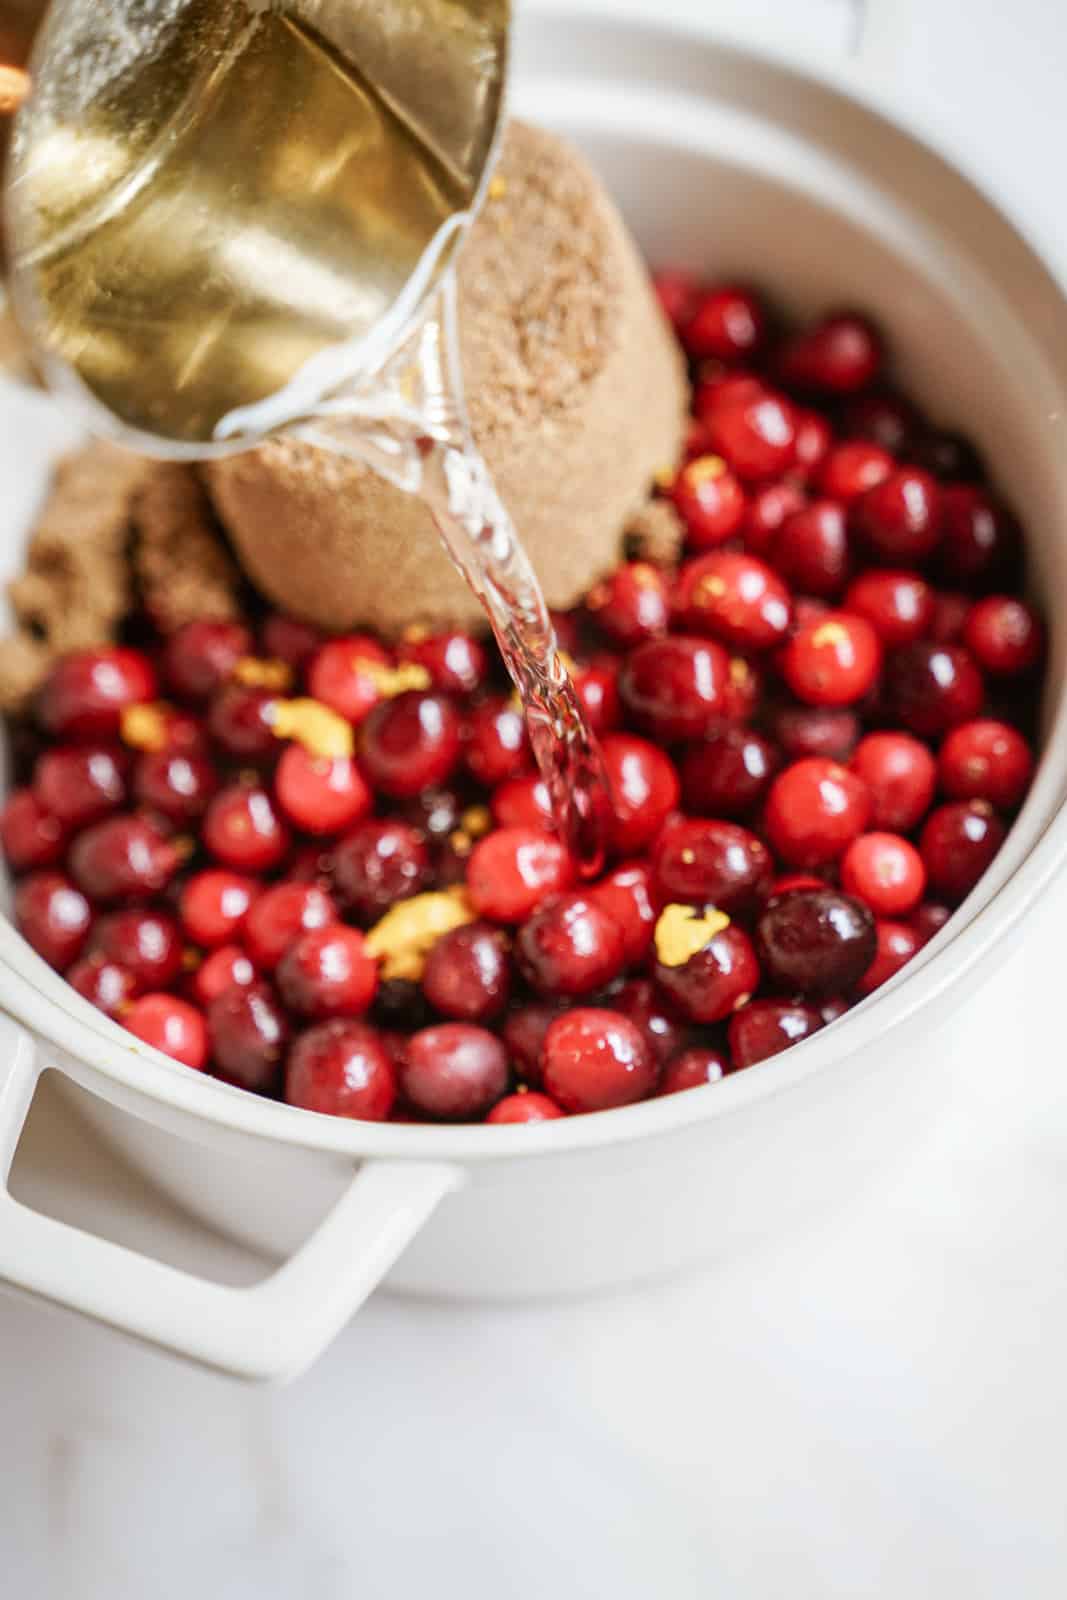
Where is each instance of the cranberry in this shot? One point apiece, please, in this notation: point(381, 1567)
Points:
point(456, 663)
point(522, 803)
point(146, 944)
point(625, 894)
point(884, 419)
point(677, 292)
point(171, 1025)
point(734, 597)
point(765, 1028)
point(310, 863)
point(853, 470)
point(1005, 636)
point(951, 610)
point(597, 688)
point(159, 727)
point(596, 1059)
point(789, 881)
point(957, 844)
point(727, 324)
point(766, 512)
point(986, 761)
point(885, 872)
point(243, 830)
point(644, 789)
point(53, 916)
point(105, 984)
point(78, 784)
point(213, 906)
point(496, 742)
point(225, 968)
point(123, 858)
point(570, 946)
point(179, 786)
point(815, 941)
point(814, 441)
point(704, 862)
point(929, 920)
point(832, 662)
point(468, 975)
point(378, 863)
point(321, 795)
point(829, 731)
point(900, 775)
point(718, 390)
point(280, 915)
point(346, 675)
point(631, 604)
point(810, 550)
point(675, 688)
point(692, 1070)
point(697, 440)
point(344, 1069)
point(87, 691)
point(743, 691)
point(31, 836)
point(895, 944)
point(435, 813)
point(511, 871)
point(241, 721)
point(454, 1071)
point(814, 811)
point(729, 774)
point(755, 436)
point(524, 1032)
point(201, 656)
point(326, 972)
point(839, 355)
point(524, 1107)
point(641, 1003)
point(898, 523)
point(249, 1034)
point(932, 687)
point(285, 638)
point(411, 742)
point(716, 980)
point(947, 455)
point(710, 501)
point(981, 543)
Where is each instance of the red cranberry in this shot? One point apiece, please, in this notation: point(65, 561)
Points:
point(597, 688)
point(468, 975)
point(87, 691)
point(78, 784)
point(644, 790)
point(285, 638)
point(454, 1071)
point(280, 915)
point(378, 863)
point(596, 1059)
point(570, 946)
point(815, 941)
point(53, 916)
point(884, 419)
point(674, 688)
point(929, 920)
point(898, 605)
point(411, 742)
point(814, 811)
point(524, 1107)
point(225, 968)
point(729, 774)
point(242, 830)
point(814, 441)
point(625, 894)
point(677, 292)
point(900, 775)
point(146, 944)
point(951, 610)
point(161, 728)
point(839, 355)
point(321, 795)
point(435, 813)
point(769, 507)
point(213, 906)
point(179, 786)
point(896, 943)
point(716, 980)
point(310, 863)
point(930, 688)
point(756, 437)
point(105, 984)
point(512, 870)
point(829, 731)
point(30, 835)
point(201, 656)
point(641, 1003)
point(456, 663)
point(524, 1032)
point(885, 872)
point(743, 691)
point(704, 862)
point(981, 542)
point(947, 455)
point(344, 1069)
point(171, 1025)
point(631, 604)
point(765, 1028)
point(249, 1034)
point(810, 550)
point(898, 523)
point(727, 324)
point(496, 742)
point(832, 662)
point(710, 501)
point(692, 1070)
point(1005, 636)
point(718, 390)
point(326, 972)
point(986, 761)
point(697, 440)
point(852, 470)
point(789, 881)
point(957, 844)
point(735, 598)
point(346, 675)
point(522, 803)
point(123, 858)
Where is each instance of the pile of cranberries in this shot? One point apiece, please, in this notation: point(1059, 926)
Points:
point(323, 868)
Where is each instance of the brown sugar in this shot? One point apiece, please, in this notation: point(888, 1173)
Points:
point(183, 568)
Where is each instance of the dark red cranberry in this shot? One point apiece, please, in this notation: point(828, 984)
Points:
point(214, 904)
point(852, 470)
point(644, 789)
point(930, 688)
point(346, 675)
point(53, 916)
point(79, 784)
point(641, 1003)
point(710, 501)
point(832, 662)
point(171, 1025)
point(595, 1059)
point(885, 872)
point(811, 550)
point(898, 605)
point(814, 442)
point(929, 920)
point(570, 946)
point(456, 663)
point(311, 863)
point(735, 598)
point(435, 813)
point(344, 1069)
point(896, 943)
point(814, 811)
point(321, 795)
point(884, 419)
point(454, 1071)
point(524, 1107)
point(496, 742)
point(225, 968)
point(829, 731)
point(898, 523)
point(951, 610)
point(839, 355)
point(631, 604)
point(678, 293)
point(512, 870)
point(86, 692)
point(957, 844)
point(146, 944)
point(708, 862)
point(815, 941)
point(625, 894)
point(285, 638)
point(201, 656)
point(379, 862)
point(986, 761)
point(948, 455)
point(410, 743)
point(729, 774)
point(522, 803)
point(105, 984)
point(716, 980)
point(981, 542)
point(30, 835)
point(767, 510)
point(241, 721)
point(243, 830)
point(468, 974)
point(1004, 635)
point(693, 1069)
point(900, 775)
point(597, 688)
point(727, 324)
point(249, 1034)
point(280, 915)
point(756, 436)
point(743, 690)
point(179, 786)
point(675, 688)
point(327, 972)
point(123, 858)
point(765, 1028)
point(523, 1032)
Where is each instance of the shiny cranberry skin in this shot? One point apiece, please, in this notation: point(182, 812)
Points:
point(675, 688)
point(280, 915)
point(887, 420)
point(811, 550)
point(814, 441)
point(641, 1003)
point(214, 904)
point(321, 795)
point(815, 942)
point(678, 293)
point(171, 1025)
point(595, 1059)
point(839, 355)
point(123, 858)
point(201, 656)
point(930, 688)
point(326, 972)
point(854, 469)
point(715, 981)
point(179, 786)
point(626, 895)
point(249, 1034)
point(705, 862)
point(644, 788)
point(729, 774)
point(512, 870)
point(631, 604)
point(719, 390)
point(756, 437)
point(525, 1107)
point(885, 872)
point(344, 1069)
point(242, 830)
point(410, 743)
point(523, 1033)
point(146, 944)
point(951, 610)
point(832, 662)
point(570, 946)
point(765, 1028)
point(79, 784)
point(734, 597)
point(379, 862)
point(467, 977)
point(240, 721)
point(346, 675)
point(30, 835)
point(597, 688)
point(727, 324)
point(957, 844)
point(814, 811)
point(522, 803)
point(900, 775)
point(693, 1069)
point(456, 663)
point(948, 455)
point(981, 543)
point(52, 916)
point(105, 984)
point(225, 968)
point(285, 638)
point(929, 920)
point(710, 501)
point(898, 523)
point(454, 1071)
point(986, 761)
point(898, 605)
point(496, 742)
point(767, 510)
point(789, 881)
point(830, 731)
point(1004, 635)
point(896, 943)
point(163, 728)
point(86, 692)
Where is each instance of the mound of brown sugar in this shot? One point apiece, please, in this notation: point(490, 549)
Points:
point(577, 397)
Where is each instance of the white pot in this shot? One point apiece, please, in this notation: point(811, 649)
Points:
point(732, 162)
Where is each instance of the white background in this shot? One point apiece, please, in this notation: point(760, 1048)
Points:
point(877, 1409)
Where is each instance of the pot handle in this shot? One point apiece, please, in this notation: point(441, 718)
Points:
point(269, 1332)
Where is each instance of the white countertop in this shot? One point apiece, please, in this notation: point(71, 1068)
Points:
point(876, 1409)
